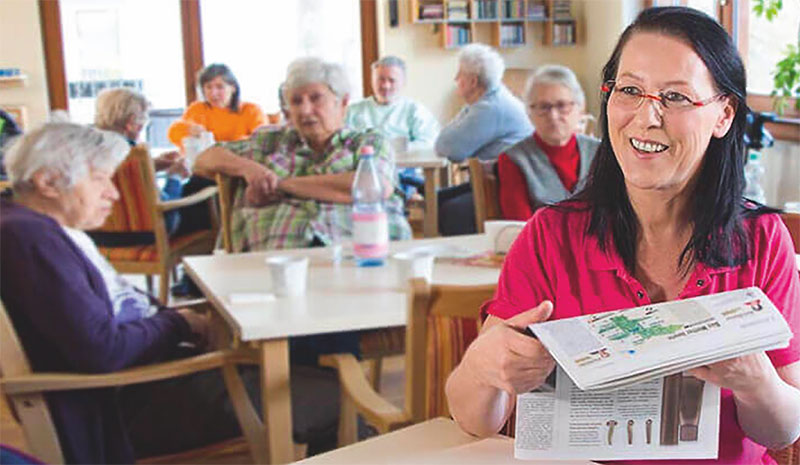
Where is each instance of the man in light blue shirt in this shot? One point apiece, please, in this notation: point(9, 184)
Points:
point(492, 120)
point(406, 123)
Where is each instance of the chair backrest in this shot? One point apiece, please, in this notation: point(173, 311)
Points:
point(792, 221)
point(485, 185)
point(787, 456)
point(31, 409)
point(226, 190)
point(442, 322)
point(587, 125)
point(135, 180)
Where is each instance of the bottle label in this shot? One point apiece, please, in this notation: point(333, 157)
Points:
point(370, 235)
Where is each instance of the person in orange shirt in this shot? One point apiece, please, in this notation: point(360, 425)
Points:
point(221, 111)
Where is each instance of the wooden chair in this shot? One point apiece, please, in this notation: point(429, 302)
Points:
point(226, 190)
point(792, 221)
point(787, 456)
point(442, 321)
point(24, 391)
point(485, 188)
point(139, 210)
point(587, 125)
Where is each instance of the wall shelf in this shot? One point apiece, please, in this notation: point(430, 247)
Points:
point(509, 20)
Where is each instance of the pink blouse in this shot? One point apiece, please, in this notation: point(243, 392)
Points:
point(555, 259)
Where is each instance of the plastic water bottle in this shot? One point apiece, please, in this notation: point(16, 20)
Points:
point(753, 173)
point(370, 224)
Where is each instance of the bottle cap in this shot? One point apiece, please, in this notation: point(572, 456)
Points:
point(754, 155)
point(366, 150)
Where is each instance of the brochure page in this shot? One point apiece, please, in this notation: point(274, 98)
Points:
point(676, 417)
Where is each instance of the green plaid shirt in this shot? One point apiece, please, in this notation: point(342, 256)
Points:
point(295, 222)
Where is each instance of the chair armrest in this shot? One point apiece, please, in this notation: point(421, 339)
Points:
point(44, 382)
point(197, 197)
point(379, 412)
point(200, 304)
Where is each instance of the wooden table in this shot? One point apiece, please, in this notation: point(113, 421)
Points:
point(338, 298)
point(436, 442)
point(435, 172)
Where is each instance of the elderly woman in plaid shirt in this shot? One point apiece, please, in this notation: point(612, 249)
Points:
point(298, 178)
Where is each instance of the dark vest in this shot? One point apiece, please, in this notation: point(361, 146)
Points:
point(544, 185)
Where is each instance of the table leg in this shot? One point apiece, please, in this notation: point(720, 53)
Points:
point(430, 225)
point(276, 400)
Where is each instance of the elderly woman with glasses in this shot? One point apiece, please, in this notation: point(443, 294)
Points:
point(299, 178)
point(552, 163)
point(661, 218)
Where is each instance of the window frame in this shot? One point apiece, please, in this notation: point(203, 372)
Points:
point(734, 16)
point(192, 34)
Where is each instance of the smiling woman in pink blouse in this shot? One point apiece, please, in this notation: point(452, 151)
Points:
point(661, 218)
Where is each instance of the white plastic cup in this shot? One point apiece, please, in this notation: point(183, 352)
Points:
point(413, 264)
point(289, 275)
point(502, 233)
point(399, 145)
point(194, 145)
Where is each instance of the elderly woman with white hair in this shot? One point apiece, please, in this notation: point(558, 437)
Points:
point(551, 164)
point(299, 178)
point(491, 120)
point(74, 313)
point(124, 111)
point(58, 289)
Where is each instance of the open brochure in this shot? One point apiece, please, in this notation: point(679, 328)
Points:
point(614, 349)
point(676, 417)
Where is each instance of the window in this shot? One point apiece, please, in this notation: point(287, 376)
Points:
point(155, 46)
point(108, 44)
point(762, 44)
point(767, 44)
point(260, 45)
point(709, 7)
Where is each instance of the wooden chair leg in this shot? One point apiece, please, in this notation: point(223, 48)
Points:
point(377, 370)
point(163, 286)
point(148, 278)
point(300, 451)
point(372, 367)
point(348, 421)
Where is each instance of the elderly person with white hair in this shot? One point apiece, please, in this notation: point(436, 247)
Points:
point(74, 313)
point(299, 178)
point(551, 164)
point(408, 124)
point(58, 289)
point(491, 120)
point(124, 111)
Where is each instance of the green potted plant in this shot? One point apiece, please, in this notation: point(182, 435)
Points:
point(786, 76)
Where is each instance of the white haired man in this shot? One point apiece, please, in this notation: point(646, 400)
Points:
point(491, 120)
point(399, 118)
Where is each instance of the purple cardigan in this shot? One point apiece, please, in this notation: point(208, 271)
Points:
point(60, 308)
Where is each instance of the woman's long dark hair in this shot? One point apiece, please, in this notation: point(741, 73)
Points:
point(219, 70)
point(717, 206)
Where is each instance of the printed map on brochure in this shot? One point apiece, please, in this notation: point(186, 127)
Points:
point(618, 348)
